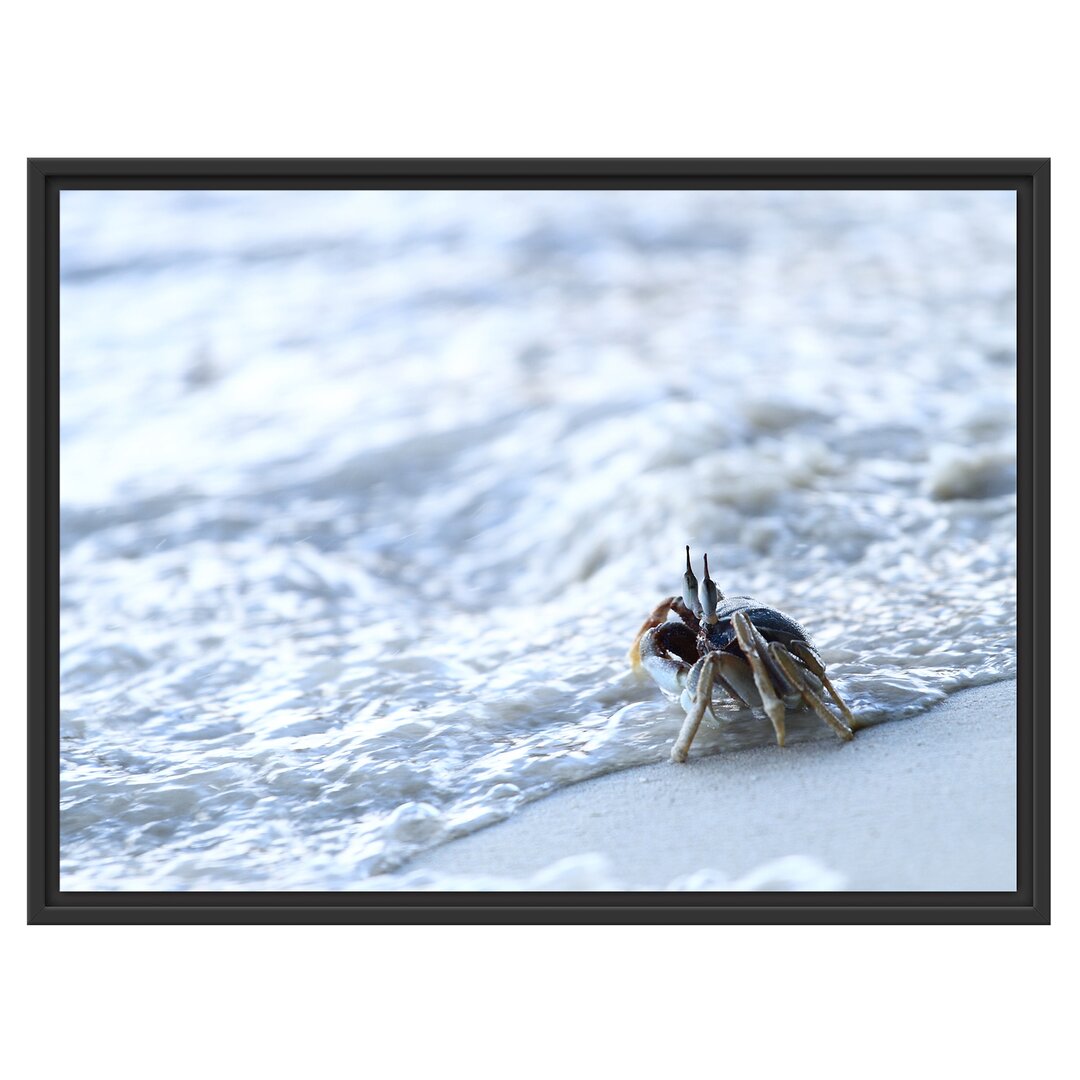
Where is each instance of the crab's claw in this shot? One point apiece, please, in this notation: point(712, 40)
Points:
point(657, 617)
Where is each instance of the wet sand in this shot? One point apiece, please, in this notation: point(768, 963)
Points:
point(927, 803)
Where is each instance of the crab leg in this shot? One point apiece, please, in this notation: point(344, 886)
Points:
point(809, 658)
point(700, 702)
point(666, 652)
point(734, 676)
point(729, 673)
point(790, 667)
point(749, 640)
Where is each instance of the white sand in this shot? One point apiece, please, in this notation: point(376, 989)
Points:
point(922, 804)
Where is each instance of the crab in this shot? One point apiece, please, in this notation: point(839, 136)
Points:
point(756, 654)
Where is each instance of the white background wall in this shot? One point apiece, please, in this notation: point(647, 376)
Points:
point(489, 79)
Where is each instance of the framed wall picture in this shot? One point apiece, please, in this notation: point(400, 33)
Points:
point(539, 540)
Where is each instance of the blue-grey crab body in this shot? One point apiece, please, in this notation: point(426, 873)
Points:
point(756, 654)
point(774, 625)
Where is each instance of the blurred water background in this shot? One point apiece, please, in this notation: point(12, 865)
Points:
point(365, 494)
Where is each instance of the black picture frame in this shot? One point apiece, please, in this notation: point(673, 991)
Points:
point(1029, 177)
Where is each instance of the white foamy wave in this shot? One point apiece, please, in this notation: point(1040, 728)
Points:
point(595, 873)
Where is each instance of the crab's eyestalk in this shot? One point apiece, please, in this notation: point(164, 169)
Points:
point(690, 587)
point(708, 595)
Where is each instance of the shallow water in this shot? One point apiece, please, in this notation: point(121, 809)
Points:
point(365, 494)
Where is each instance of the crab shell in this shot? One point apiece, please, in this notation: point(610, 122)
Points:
point(773, 625)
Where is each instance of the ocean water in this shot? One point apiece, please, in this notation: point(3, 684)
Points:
point(364, 496)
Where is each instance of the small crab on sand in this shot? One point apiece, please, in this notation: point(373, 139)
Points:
point(758, 655)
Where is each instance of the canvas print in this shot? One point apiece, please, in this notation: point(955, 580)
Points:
point(562, 540)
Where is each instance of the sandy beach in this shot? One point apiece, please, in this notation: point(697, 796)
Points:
point(927, 803)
